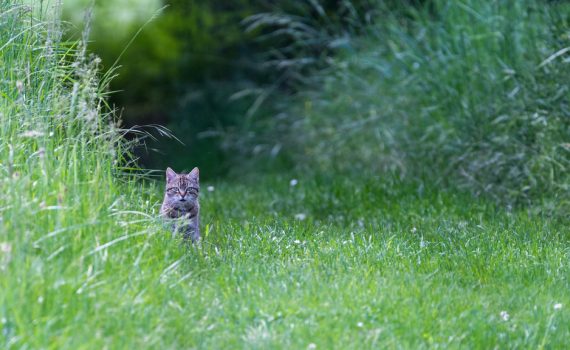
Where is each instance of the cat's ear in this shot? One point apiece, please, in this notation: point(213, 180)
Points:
point(170, 175)
point(194, 174)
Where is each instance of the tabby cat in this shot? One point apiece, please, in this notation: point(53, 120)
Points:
point(181, 203)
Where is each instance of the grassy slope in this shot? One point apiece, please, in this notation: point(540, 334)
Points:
point(84, 264)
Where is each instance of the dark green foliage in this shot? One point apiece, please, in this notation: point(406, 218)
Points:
point(466, 94)
point(475, 96)
point(203, 67)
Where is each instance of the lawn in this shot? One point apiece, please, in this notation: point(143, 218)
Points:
point(373, 264)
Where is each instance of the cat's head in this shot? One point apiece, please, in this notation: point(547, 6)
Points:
point(182, 189)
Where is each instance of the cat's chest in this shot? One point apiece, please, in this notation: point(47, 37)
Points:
point(176, 211)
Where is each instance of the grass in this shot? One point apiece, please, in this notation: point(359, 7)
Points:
point(332, 262)
point(469, 94)
point(373, 264)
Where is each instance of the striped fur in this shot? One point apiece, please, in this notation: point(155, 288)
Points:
point(181, 203)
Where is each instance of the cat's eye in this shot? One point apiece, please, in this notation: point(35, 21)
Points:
point(172, 190)
point(193, 190)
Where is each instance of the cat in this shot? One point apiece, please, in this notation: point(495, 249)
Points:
point(181, 203)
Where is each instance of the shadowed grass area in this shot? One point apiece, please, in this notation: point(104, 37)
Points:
point(468, 94)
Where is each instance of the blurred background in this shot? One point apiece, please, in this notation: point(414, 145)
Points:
point(211, 69)
point(470, 95)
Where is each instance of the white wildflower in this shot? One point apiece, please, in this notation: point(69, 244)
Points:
point(557, 306)
point(312, 346)
point(210, 188)
point(293, 182)
point(297, 241)
point(5, 247)
point(360, 324)
point(301, 216)
point(32, 133)
point(505, 315)
point(414, 230)
point(5, 254)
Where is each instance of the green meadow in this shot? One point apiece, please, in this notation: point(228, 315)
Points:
point(356, 248)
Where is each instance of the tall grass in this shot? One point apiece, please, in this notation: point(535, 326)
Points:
point(60, 152)
point(464, 93)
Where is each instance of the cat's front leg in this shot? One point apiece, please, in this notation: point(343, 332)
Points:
point(192, 230)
